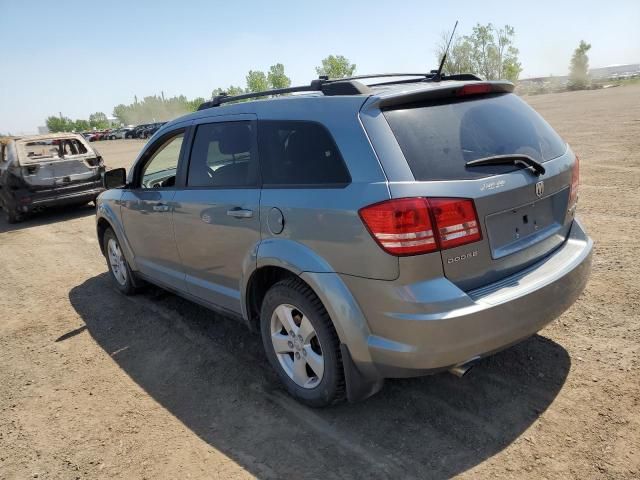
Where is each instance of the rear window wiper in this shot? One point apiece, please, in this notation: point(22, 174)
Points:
point(515, 159)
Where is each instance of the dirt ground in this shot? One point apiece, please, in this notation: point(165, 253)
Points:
point(97, 385)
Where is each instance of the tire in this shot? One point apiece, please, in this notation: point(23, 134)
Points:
point(119, 269)
point(315, 338)
point(10, 215)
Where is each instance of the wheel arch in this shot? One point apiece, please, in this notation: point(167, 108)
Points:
point(282, 258)
point(101, 227)
point(107, 218)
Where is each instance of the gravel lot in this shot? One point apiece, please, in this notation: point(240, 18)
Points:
point(97, 385)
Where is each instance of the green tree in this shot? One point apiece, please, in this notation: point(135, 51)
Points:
point(192, 105)
point(506, 55)
point(256, 81)
point(122, 112)
point(487, 52)
point(155, 108)
point(336, 66)
point(57, 124)
point(81, 125)
point(231, 91)
point(579, 67)
point(98, 120)
point(277, 78)
point(460, 56)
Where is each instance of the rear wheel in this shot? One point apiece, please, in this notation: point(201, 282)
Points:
point(301, 344)
point(118, 265)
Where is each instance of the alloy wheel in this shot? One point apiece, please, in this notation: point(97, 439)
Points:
point(297, 346)
point(117, 262)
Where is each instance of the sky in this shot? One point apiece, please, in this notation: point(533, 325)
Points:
point(82, 57)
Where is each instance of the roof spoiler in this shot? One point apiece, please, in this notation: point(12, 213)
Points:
point(443, 91)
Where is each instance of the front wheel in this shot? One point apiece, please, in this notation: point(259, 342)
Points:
point(301, 344)
point(118, 265)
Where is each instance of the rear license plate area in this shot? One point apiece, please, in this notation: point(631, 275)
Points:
point(517, 228)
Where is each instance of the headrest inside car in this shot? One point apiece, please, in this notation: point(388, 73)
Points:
point(235, 139)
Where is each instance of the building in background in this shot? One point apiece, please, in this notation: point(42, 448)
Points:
point(615, 72)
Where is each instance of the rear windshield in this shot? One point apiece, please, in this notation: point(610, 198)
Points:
point(51, 149)
point(438, 138)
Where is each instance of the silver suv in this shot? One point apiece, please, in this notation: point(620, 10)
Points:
point(391, 230)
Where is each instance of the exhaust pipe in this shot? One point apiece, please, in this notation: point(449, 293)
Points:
point(462, 369)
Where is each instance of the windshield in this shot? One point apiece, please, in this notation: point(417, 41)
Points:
point(439, 138)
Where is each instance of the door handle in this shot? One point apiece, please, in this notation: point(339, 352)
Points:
point(240, 213)
point(161, 207)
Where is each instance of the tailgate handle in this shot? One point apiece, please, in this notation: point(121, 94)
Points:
point(240, 213)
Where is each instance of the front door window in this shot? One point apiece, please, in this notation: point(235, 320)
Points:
point(160, 170)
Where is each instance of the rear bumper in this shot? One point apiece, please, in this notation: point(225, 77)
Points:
point(27, 201)
point(422, 328)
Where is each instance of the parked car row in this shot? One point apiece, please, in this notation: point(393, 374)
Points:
point(141, 131)
point(145, 130)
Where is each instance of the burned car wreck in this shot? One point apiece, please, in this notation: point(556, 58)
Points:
point(47, 170)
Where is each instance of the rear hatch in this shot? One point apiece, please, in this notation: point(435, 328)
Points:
point(58, 162)
point(522, 215)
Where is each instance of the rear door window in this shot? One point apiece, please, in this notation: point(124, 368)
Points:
point(222, 156)
point(439, 137)
point(298, 153)
point(72, 146)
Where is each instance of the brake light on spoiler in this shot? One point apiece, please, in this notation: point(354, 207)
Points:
point(474, 89)
point(417, 225)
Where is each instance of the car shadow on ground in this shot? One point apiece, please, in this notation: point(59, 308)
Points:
point(211, 374)
point(48, 216)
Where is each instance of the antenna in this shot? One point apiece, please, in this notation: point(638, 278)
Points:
point(437, 77)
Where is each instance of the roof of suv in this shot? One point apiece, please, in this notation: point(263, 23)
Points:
point(377, 96)
point(35, 138)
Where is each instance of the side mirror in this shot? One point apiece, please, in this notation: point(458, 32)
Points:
point(116, 178)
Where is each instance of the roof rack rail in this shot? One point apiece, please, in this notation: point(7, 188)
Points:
point(328, 87)
point(380, 75)
point(334, 86)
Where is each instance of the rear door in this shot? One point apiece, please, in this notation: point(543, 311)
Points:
point(216, 219)
point(522, 216)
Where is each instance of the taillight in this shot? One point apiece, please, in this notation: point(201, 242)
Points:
point(402, 226)
point(412, 226)
point(575, 183)
point(474, 89)
point(31, 169)
point(94, 162)
point(456, 220)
